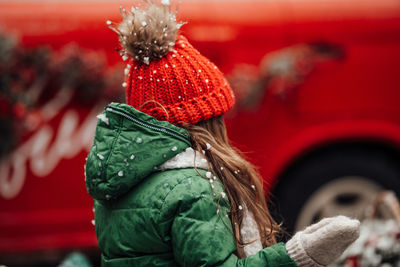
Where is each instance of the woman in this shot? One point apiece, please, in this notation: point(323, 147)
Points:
point(169, 189)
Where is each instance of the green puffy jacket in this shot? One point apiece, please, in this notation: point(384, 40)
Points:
point(145, 217)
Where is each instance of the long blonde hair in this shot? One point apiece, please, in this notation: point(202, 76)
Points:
point(240, 179)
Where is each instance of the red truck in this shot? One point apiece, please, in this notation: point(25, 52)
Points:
point(317, 85)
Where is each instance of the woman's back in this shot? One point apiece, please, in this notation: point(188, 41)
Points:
point(156, 215)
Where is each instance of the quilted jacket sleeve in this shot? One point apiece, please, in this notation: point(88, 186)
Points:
point(201, 233)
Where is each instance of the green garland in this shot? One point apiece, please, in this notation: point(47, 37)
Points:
point(30, 77)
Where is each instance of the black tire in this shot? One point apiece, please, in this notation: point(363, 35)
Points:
point(311, 173)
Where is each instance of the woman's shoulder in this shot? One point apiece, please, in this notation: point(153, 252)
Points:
point(188, 179)
point(181, 184)
point(176, 185)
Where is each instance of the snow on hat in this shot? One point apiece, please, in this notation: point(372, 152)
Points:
point(166, 77)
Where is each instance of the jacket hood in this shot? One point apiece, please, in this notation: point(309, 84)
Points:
point(128, 146)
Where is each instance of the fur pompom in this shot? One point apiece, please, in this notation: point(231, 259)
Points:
point(148, 32)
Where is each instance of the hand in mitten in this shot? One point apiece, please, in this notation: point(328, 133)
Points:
point(322, 243)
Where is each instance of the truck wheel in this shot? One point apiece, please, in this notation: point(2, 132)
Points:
point(332, 182)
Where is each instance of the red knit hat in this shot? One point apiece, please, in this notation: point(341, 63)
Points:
point(166, 77)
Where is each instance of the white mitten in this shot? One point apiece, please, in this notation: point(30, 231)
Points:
point(322, 243)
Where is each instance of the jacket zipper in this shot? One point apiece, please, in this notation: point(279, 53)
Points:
point(148, 125)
